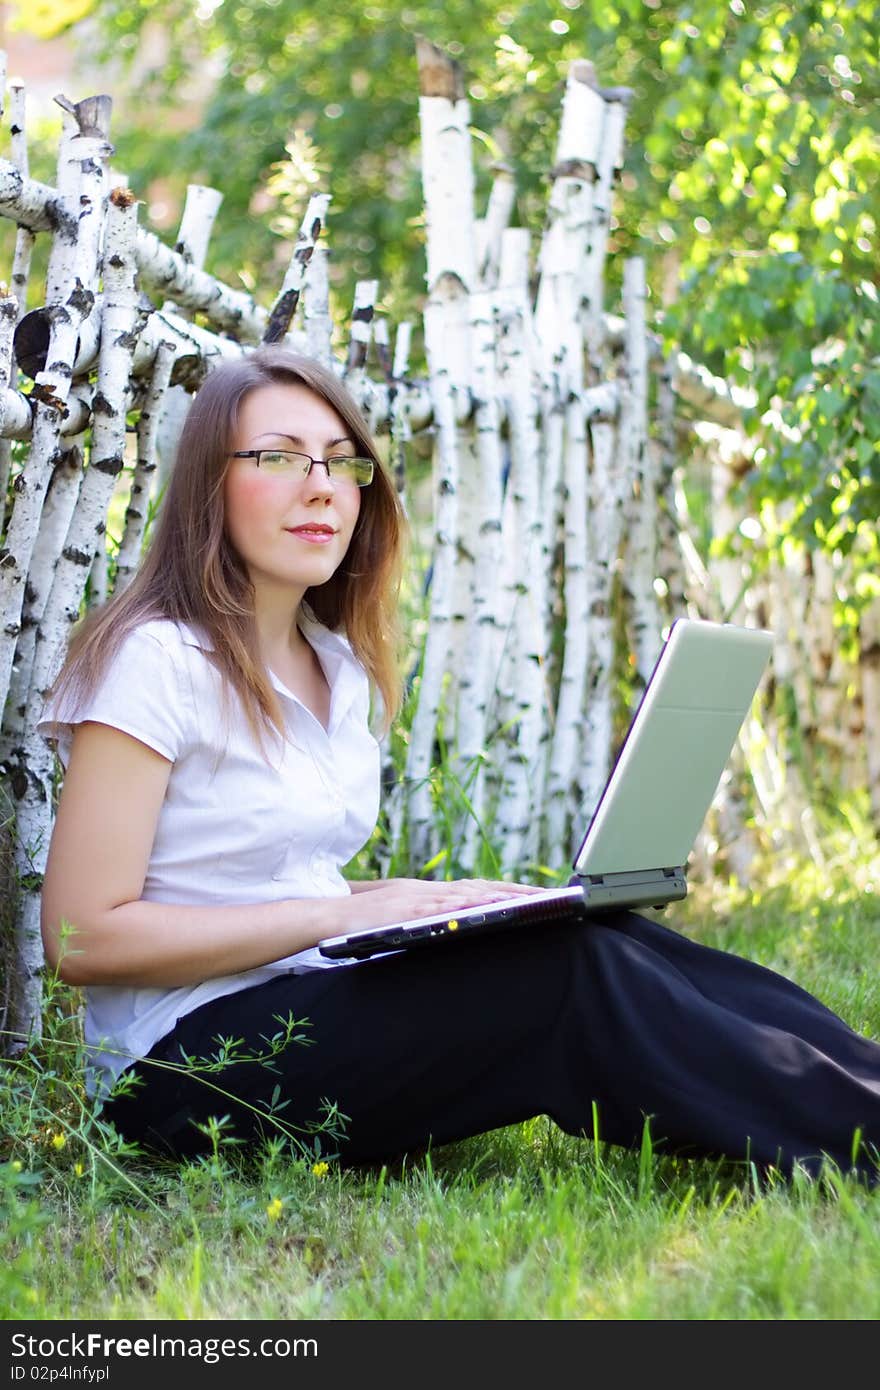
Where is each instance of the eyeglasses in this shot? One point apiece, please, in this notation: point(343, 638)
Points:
point(286, 464)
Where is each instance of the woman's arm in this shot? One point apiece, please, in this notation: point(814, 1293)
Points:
point(104, 830)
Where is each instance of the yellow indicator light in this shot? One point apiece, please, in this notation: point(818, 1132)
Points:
point(452, 924)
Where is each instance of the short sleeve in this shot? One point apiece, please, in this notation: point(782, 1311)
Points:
point(141, 693)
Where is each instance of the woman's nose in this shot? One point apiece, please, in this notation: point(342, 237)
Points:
point(318, 481)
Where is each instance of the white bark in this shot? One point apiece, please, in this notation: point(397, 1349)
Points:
point(447, 180)
point(128, 557)
point(17, 411)
point(35, 760)
point(73, 267)
point(447, 173)
point(606, 523)
point(565, 240)
point(107, 452)
point(491, 229)
point(436, 645)
point(287, 302)
point(36, 206)
point(525, 708)
point(567, 735)
point(52, 386)
point(360, 334)
point(317, 323)
point(21, 264)
point(99, 576)
point(54, 520)
point(71, 278)
point(24, 239)
point(77, 171)
point(670, 560)
point(639, 479)
point(8, 317)
point(610, 160)
point(401, 432)
point(484, 635)
point(200, 210)
point(399, 426)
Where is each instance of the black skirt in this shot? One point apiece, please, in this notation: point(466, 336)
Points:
point(602, 1027)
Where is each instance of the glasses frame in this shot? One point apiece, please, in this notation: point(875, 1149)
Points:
point(297, 453)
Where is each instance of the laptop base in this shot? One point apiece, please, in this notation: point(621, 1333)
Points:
point(634, 888)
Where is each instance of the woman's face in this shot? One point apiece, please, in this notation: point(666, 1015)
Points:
point(292, 532)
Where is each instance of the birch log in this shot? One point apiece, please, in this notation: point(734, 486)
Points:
point(286, 303)
point(107, 450)
point(606, 523)
point(36, 206)
point(564, 246)
point(525, 705)
point(490, 230)
point(640, 569)
point(447, 180)
point(51, 391)
point(54, 521)
point(399, 425)
point(146, 464)
point(565, 749)
point(484, 633)
point(21, 264)
point(34, 767)
point(200, 208)
point(24, 238)
point(317, 322)
point(436, 644)
point(609, 163)
point(671, 519)
point(8, 317)
point(360, 335)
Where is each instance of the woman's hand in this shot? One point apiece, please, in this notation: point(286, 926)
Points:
point(378, 902)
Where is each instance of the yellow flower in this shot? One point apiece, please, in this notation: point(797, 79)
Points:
point(273, 1210)
point(320, 1169)
point(16, 1165)
point(78, 1169)
point(59, 1140)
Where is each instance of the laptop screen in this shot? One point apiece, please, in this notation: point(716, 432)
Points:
point(671, 762)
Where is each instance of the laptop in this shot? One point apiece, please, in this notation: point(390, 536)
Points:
point(635, 849)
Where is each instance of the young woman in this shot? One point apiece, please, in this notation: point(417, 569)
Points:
point(214, 723)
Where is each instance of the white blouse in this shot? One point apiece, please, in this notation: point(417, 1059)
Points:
point(234, 827)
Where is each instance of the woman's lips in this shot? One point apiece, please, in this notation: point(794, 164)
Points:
point(315, 535)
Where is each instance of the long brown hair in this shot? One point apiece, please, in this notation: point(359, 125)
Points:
point(191, 573)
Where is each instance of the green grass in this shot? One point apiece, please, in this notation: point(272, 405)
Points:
point(522, 1223)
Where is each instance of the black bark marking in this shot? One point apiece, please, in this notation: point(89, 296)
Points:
point(280, 318)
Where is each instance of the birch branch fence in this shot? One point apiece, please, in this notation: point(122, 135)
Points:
point(558, 547)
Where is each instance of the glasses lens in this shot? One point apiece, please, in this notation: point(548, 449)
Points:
point(341, 468)
point(283, 461)
point(346, 470)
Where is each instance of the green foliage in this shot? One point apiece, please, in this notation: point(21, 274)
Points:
point(750, 180)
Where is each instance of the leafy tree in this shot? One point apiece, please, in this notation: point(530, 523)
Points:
point(750, 183)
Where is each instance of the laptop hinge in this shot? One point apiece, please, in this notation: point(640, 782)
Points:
point(633, 888)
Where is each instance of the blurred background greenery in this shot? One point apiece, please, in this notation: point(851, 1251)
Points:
point(750, 184)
